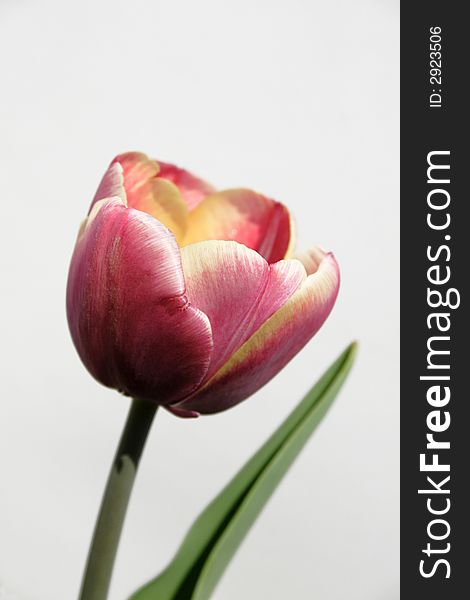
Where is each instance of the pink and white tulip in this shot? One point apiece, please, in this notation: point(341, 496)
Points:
point(183, 296)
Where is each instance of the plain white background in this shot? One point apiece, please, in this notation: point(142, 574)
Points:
point(296, 99)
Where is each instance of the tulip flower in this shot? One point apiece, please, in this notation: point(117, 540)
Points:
point(185, 296)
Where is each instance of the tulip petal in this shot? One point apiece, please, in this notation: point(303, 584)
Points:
point(193, 189)
point(237, 289)
point(128, 312)
point(278, 339)
point(147, 192)
point(246, 217)
point(111, 186)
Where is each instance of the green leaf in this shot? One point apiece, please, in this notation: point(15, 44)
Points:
point(216, 534)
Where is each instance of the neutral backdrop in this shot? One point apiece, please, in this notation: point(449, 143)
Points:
point(297, 99)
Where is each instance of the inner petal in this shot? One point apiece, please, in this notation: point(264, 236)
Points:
point(193, 189)
point(243, 216)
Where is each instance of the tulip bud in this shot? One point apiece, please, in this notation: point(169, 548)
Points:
point(183, 296)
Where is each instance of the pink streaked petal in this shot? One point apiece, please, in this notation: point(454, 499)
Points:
point(237, 289)
point(111, 186)
point(285, 278)
point(128, 313)
point(245, 217)
point(193, 189)
point(275, 343)
point(147, 192)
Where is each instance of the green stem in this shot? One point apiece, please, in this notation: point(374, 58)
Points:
point(99, 567)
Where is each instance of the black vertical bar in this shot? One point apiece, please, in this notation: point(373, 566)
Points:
point(434, 118)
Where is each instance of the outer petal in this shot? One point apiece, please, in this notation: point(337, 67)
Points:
point(147, 192)
point(237, 289)
point(246, 217)
point(128, 314)
point(276, 341)
point(193, 189)
point(111, 186)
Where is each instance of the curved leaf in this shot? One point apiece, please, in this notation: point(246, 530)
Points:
point(217, 533)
